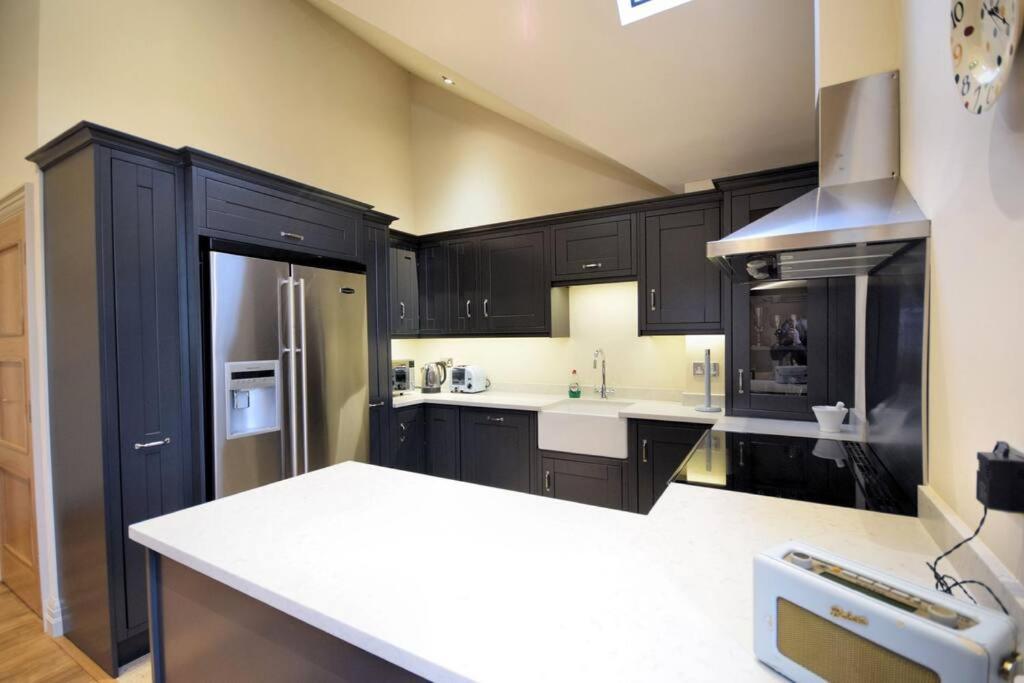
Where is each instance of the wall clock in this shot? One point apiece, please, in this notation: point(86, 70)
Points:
point(983, 38)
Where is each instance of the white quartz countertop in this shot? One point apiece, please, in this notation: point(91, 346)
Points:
point(455, 581)
point(507, 400)
point(798, 428)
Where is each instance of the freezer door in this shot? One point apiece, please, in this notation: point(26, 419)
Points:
point(334, 385)
point(248, 372)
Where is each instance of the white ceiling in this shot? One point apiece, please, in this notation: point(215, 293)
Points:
point(708, 89)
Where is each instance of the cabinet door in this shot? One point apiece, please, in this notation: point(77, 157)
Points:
point(515, 291)
point(155, 463)
point(464, 313)
point(590, 481)
point(442, 441)
point(432, 264)
point(377, 307)
point(496, 448)
point(749, 206)
point(407, 435)
point(404, 298)
point(594, 249)
point(681, 290)
point(661, 448)
point(780, 349)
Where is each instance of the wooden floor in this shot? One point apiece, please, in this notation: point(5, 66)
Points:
point(26, 653)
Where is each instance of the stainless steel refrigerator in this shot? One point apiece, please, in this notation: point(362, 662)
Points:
point(289, 370)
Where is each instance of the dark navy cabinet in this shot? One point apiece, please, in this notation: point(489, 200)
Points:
point(378, 334)
point(513, 285)
point(118, 343)
point(405, 301)
point(497, 447)
point(442, 441)
point(594, 249)
point(408, 451)
point(660, 448)
point(583, 479)
point(432, 263)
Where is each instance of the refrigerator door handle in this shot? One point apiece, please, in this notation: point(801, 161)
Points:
point(305, 390)
point(293, 436)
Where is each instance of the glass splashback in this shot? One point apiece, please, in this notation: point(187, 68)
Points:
point(779, 338)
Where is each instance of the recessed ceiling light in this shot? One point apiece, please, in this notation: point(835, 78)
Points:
point(447, 81)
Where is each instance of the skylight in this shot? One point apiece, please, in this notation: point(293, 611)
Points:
point(635, 10)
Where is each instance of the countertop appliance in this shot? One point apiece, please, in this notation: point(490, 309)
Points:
point(402, 372)
point(288, 359)
point(833, 472)
point(469, 379)
point(861, 214)
point(818, 616)
point(434, 375)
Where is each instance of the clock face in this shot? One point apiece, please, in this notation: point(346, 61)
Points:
point(984, 41)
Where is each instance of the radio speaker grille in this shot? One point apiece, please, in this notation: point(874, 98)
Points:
point(838, 655)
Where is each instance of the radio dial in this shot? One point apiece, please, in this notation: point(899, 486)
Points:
point(943, 615)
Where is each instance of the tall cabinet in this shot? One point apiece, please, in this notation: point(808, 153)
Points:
point(121, 422)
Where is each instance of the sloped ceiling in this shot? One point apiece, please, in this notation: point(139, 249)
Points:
point(708, 89)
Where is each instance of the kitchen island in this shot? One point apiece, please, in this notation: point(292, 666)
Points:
point(444, 580)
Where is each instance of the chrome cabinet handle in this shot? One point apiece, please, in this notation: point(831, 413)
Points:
point(292, 236)
point(742, 448)
point(495, 419)
point(293, 388)
point(547, 480)
point(402, 426)
point(486, 312)
point(643, 451)
point(741, 380)
point(591, 266)
point(378, 404)
point(401, 304)
point(152, 444)
point(468, 314)
point(653, 307)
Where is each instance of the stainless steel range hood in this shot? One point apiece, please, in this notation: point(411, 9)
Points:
point(861, 214)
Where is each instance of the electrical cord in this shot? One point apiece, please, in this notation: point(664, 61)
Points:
point(948, 583)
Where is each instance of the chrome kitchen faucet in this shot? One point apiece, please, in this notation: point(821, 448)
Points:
point(603, 389)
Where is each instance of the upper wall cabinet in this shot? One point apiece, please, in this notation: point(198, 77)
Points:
point(432, 263)
point(594, 250)
point(513, 286)
point(239, 209)
point(754, 195)
point(680, 290)
point(405, 300)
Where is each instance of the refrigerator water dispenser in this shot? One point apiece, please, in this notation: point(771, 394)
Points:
point(253, 397)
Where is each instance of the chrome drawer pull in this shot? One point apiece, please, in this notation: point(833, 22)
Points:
point(468, 314)
point(402, 306)
point(589, 266)
point(547, 480)
point(378, 404)
point(292, 236)
point(495, 419)
point(152, 444)
point(487, 313)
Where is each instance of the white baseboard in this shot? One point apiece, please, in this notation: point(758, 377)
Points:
point(54, 613)
point(971, 561)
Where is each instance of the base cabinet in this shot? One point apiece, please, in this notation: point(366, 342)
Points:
point(407, 452)
point(582, 479)
point(442, 441)
point(660, 448)
point(496, 447)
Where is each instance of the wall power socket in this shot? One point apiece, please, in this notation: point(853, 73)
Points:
point(698, 369)
point(1001, 479)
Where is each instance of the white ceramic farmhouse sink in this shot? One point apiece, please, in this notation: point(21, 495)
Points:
point(588, 427)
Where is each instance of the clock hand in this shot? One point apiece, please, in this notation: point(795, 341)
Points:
point(993, 13)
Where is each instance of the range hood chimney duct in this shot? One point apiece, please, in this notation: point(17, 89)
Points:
point(860, 215)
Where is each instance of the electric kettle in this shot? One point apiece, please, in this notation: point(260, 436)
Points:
point(434, 375)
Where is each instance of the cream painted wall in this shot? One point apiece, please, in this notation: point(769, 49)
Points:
point(473, 167)
point(967, 172)
point(19, 49)
point(271, 83)
point(859, 38)
point(601, 316)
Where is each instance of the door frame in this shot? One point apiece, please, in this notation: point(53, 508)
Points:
point(25, 199)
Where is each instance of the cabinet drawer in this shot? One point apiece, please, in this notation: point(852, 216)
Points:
point(594, 249)
point(238, 207)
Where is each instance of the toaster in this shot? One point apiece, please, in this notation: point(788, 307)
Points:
point(820, 617)
point(469, 379)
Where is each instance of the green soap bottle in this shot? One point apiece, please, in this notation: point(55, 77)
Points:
point(574, 386)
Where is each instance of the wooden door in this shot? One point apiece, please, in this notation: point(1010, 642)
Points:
point(591, 481)
point(19, 553)
point(515, 288)
point(442, 441)
point(681, 289)
point(433, 286)
point(407, 452)
point(404, 300)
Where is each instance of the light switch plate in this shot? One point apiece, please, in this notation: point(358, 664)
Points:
point(698, 369)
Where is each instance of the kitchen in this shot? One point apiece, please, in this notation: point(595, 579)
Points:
point(554, 374)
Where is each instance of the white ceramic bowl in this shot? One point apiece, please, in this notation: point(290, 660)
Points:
point(830, 418)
